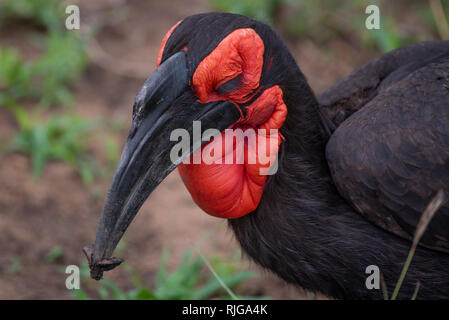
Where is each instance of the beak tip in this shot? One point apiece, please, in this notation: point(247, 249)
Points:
point(97, 268)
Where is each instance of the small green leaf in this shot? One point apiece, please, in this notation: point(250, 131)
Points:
point(54, 254)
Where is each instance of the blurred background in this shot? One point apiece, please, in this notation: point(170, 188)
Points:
point(65, 109)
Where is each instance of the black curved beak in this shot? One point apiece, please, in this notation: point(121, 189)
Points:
point(164, 103)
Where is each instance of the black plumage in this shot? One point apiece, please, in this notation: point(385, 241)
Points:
point(404, 124)
point(358, 165)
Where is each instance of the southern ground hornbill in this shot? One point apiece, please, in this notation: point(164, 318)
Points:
point(357, 164)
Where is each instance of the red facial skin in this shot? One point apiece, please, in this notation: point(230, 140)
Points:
point(240, 53)
point(164, 41)
point(234, 190)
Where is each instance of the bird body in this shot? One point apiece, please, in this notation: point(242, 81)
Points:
point(357, 164)
point(307, 231)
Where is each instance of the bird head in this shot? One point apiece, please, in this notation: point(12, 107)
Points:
point(222, 72)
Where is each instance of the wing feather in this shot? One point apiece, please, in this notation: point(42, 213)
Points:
point(391, 156)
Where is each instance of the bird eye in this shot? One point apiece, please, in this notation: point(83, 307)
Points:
point(230, 85)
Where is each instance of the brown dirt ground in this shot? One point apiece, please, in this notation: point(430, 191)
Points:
point(58, 210)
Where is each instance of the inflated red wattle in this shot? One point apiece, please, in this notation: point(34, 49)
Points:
point(233, 190)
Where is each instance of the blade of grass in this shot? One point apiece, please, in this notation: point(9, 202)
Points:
point(214, 284)
point(440, 18)
point(209, 266)
point(162, 270)
point(424, 221)
point(415, 294)
point(80, 295)
point(384, 287)
point(117, 293)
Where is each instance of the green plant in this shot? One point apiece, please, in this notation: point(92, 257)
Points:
point(47, 13)
point(47, 81)
point(262, 10)
point(180, 284)
point(14, 266)
point(322, 21)
point(388, 37)
point(60, 66)
point(440, 20)
point(308, 19)
point(54, 254)
point(15, 76)
point(185, 282)
point(60, 137)
point(112, 152)
point(48, 77)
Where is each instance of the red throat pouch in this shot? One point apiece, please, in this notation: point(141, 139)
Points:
point(232, 190)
